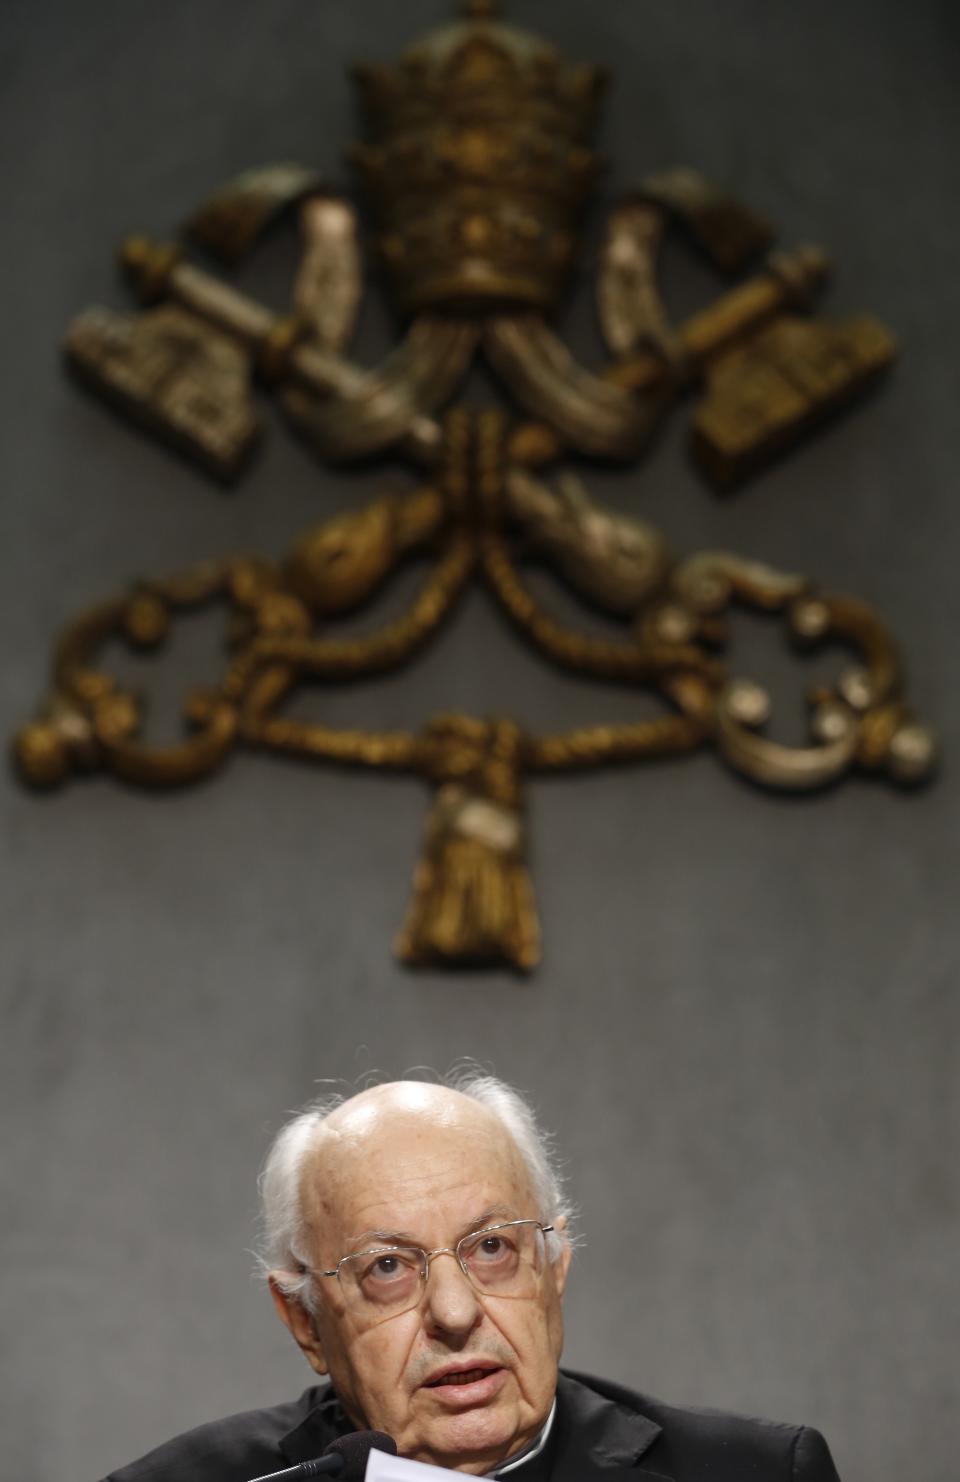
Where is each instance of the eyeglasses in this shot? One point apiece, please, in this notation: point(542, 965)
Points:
point(502, 1260)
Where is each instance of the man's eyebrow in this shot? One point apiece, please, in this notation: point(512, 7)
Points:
point(403, 1237)
point(382, 1237)
point(497, 1212)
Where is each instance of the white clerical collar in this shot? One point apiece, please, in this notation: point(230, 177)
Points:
point(529, 1452)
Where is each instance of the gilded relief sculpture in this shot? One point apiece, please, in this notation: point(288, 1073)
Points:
point(478, 163)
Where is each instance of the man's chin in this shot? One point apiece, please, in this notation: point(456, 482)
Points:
point(471, 1441)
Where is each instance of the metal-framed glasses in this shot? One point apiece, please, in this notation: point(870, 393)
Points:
point(501, 1260)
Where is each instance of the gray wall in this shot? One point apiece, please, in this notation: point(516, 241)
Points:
point(745, 1027)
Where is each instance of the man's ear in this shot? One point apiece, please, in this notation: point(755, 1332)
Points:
point(562, 1264)
point(298, 1321)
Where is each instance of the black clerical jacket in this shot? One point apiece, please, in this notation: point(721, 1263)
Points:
point(602, 1433)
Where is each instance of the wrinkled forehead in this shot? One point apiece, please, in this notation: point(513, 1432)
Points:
point(411, 1159)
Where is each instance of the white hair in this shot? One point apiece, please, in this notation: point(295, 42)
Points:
point(283, 1242)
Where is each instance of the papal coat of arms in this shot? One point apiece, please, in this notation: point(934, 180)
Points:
point(477, 163)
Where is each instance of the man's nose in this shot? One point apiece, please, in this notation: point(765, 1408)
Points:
point(451, 1302)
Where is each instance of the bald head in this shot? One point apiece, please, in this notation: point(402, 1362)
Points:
point(413, 1103)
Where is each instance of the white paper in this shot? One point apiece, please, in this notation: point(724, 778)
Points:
point(382, 1467)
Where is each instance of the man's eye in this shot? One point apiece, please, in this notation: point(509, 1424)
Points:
point(385, 1266)
point(492, 1248)
point(389, 1266)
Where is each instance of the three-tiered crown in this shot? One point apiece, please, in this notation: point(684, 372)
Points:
point(478, 161)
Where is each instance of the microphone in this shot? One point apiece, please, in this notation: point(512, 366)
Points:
point(345, 1458)
point(353, 1450)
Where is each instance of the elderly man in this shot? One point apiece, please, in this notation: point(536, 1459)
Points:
point(417, 1248)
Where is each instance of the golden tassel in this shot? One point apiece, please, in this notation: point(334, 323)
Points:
point(472, 896)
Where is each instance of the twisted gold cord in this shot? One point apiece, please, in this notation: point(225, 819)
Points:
point(597, 656)
point(394, 749)
point(595, 746)
point(331, 658)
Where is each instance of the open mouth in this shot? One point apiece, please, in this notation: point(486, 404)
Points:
point(461, 1376)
